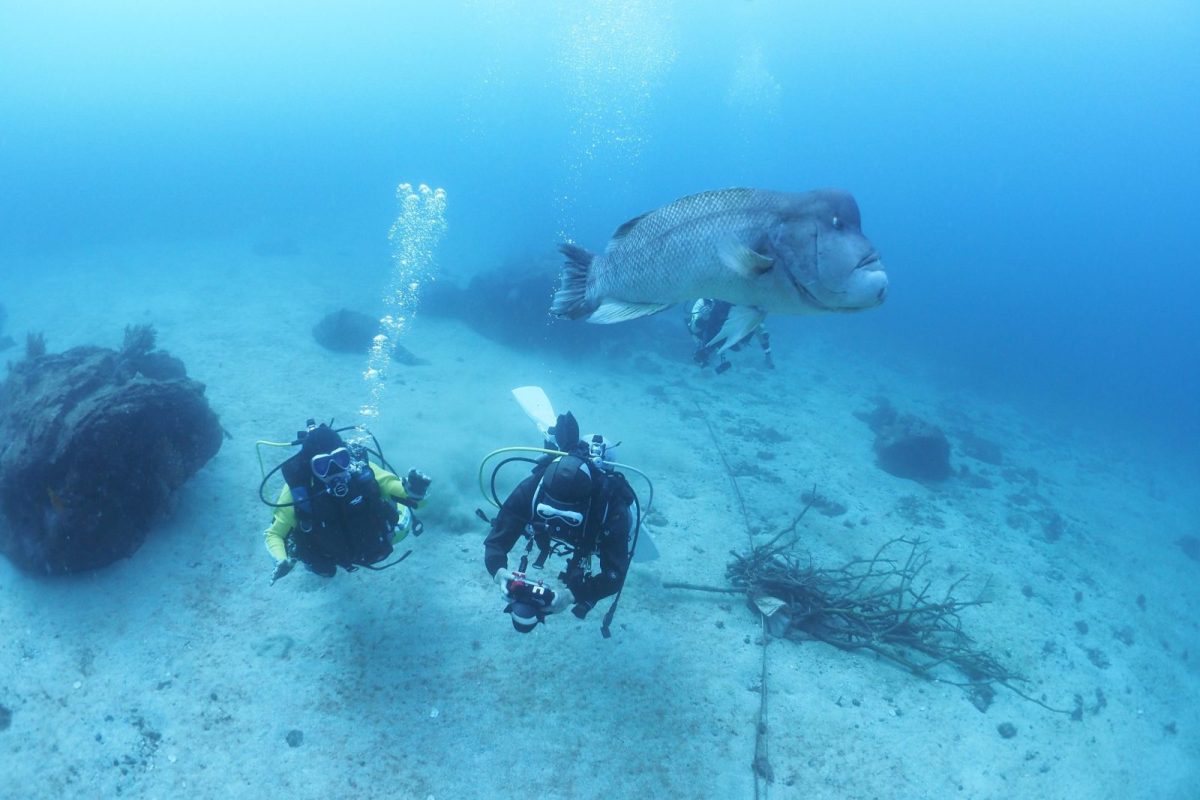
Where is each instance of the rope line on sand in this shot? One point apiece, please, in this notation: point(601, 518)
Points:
point(728, 471)
point(763, 774)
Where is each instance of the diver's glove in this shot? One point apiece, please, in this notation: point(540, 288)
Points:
point(282, 569)
point(577, 581)
point(502, 577)
point(564, 598)
point(416, 484)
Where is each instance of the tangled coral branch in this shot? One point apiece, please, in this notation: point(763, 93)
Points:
point(878, 604)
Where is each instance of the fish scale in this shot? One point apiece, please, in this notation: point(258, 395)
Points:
point(639, 265)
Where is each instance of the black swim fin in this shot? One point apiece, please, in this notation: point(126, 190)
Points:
point(565, 432)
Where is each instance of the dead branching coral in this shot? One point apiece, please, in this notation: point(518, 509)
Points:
point(35, 345)
point(139, 340)
point(881, 604)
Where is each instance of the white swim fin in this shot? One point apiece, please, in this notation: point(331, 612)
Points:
point(646, 550)
point(537, 407)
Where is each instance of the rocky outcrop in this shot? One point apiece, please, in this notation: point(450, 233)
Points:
point(511, 305)
point(907, 446)
point(94, 442)
point(346, 331)
point(6, 341)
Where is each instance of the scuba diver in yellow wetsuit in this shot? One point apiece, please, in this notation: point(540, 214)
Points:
point(338, 509)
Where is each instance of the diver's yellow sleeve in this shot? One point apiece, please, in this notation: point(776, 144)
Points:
point(285, 520)
point(393, 487)
point(390, 485)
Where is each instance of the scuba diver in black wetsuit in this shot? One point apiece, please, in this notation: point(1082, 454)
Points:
point(338, 509)
point(706, 321)
point(574, 504)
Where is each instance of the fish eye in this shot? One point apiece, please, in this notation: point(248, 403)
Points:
point(837, 223)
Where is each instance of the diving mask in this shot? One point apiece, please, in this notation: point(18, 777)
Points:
point(549, 512)
point(333, 469)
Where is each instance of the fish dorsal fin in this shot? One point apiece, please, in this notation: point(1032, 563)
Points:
point(744, 261)
point(623, 231)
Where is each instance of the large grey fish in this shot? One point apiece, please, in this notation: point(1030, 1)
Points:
point(763, 251)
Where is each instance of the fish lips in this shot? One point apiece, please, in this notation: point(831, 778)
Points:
point(866, 286)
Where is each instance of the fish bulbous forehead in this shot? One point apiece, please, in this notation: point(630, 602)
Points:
point(834, 203)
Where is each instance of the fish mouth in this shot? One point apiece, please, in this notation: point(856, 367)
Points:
point(866, 286)
point(867, 260)
point(870, 263)
point(840, 300)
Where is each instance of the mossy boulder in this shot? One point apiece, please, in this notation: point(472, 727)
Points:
point(94, 443)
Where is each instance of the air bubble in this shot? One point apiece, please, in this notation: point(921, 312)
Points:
point(414, 236)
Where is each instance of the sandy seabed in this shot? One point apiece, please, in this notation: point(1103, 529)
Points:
point(180, 673)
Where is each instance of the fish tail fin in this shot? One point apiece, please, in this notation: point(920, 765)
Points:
point(570, 300)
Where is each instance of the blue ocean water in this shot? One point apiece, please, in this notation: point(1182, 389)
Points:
point(1029, 172)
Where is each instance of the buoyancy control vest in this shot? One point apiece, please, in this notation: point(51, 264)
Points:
point(349, 531)
point(609, 491)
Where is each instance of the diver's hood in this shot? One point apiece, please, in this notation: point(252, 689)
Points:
point(297, 470)
point(566, 484)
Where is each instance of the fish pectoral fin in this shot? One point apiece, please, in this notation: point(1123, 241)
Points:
point(745, 261)
point(739, 325)
point(611, 311)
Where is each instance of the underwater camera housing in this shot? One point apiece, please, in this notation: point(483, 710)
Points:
point(529, 601)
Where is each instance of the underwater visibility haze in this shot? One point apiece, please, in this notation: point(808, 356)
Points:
point(228, 173)
point(1029, 171)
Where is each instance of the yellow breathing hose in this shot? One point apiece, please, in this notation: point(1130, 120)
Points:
point(259, 445)
point(483, 464)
